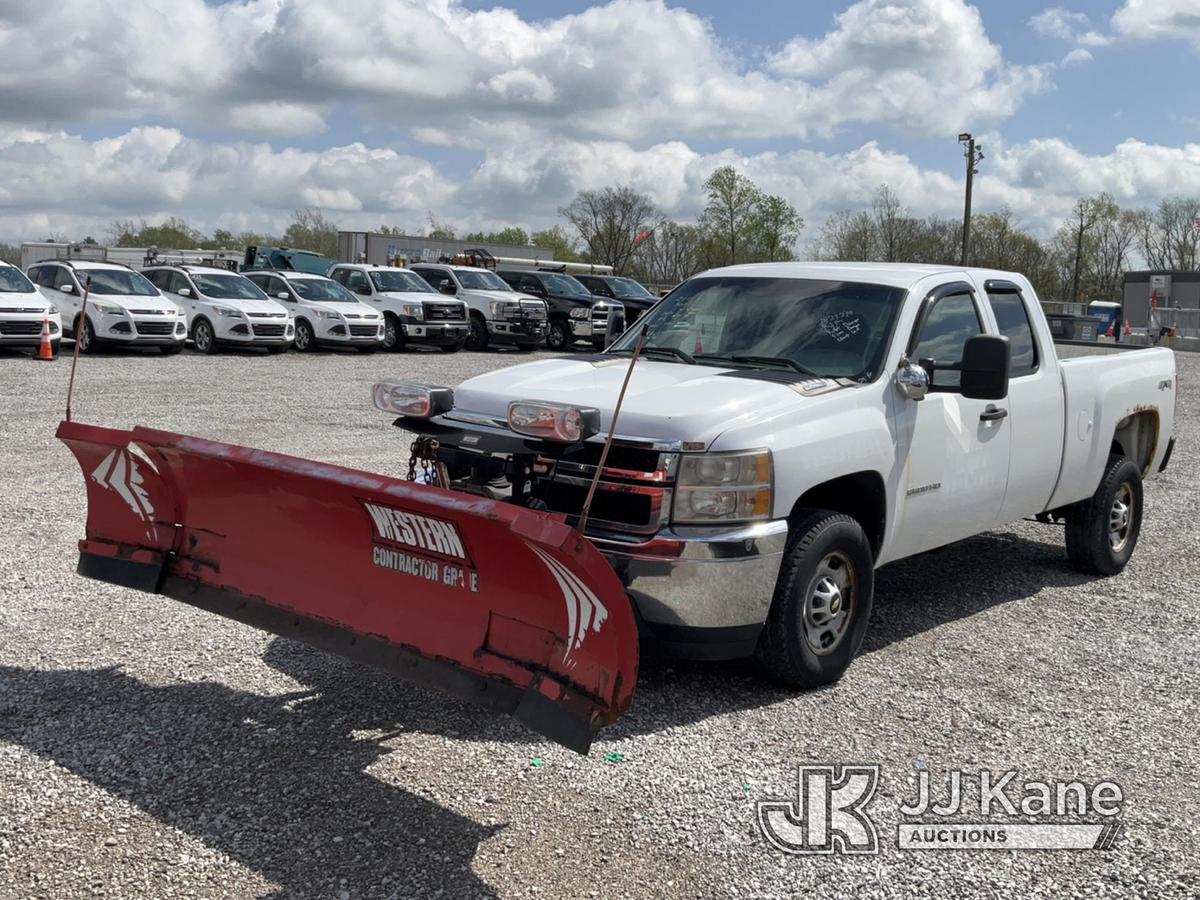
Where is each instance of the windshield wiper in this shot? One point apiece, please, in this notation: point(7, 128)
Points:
point(778, 361)
point(670, 351)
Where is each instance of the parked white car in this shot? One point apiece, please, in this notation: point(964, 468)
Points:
point(122, 306)
point(325, 313)
point(497, 313)
point(23, 310)
point(223, 307)
point(414, 313)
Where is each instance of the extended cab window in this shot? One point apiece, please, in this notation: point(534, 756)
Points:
point(943, 333)
point(1013, 319)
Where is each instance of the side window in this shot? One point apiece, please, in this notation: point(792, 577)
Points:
point(355, 279)
point(944, 332)
point(599, 287)
point(176, 281)
point(338, 275)
point(157, 278)
point(530, 283)
point(1013, 319)
point(34, 274)
point(62, 276)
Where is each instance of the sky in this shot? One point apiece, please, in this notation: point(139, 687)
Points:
point(234, 114)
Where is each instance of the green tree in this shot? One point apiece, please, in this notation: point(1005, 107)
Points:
point(558, 242)
point(728, 217)
point(774, 228)
point(310, 230)
point(440, 231)
point(513, 235)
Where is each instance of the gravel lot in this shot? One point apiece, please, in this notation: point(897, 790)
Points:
point(150, 749)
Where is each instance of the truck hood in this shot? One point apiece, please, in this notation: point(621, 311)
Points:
point(417, 296)
point(665, 401)
point(11, 300)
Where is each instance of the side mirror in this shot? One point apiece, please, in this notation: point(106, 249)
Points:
point(985, 366)
point(912, 381)
point(446, 286)
point(284, 295)
point(534, 290)
point(364, 289)
point(67, 288)
point(184, 292)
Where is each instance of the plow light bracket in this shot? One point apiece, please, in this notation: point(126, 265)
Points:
point(420, 401)
point(553, 421)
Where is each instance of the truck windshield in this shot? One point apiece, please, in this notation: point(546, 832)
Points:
point(401, 282)
point(564, 286)
point(321, 289)
point(835, 329)
point(118, 281)
point(13, 281)
point(480, 280)
point(628, 289)
point(227, 287)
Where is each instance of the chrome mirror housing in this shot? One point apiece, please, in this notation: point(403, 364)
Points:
point(912, 381)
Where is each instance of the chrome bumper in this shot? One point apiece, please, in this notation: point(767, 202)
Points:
point(701, 577)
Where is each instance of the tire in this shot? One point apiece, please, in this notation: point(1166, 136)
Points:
point(85, 336)
point(203, 337)
point(1095, 543)
point(828, 559)
point(306, 339)
point(559, 337)
point(393, 334)
point(171, 349)
point(477, 337)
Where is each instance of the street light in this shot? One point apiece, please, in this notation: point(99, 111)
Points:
point(974, 155)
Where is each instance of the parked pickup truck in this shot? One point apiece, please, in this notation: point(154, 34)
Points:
point(496, 313)
point(575, 313)
point(789, 428)
point(413, 313)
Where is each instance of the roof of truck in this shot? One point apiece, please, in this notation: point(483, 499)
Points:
point(892, 274)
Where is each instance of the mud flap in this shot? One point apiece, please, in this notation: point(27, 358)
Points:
point(505, 606)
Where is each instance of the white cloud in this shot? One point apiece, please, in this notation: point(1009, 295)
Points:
point(1149, 20)
point(1078, 55)
point(1066, 25)
point(634, 70)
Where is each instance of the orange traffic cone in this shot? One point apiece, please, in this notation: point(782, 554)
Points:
point(1109, 333)
point(45, 348)
point(1128, 330)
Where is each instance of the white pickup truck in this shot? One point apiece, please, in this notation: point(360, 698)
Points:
point(790, 427)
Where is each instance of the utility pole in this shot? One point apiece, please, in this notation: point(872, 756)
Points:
point(974, 155)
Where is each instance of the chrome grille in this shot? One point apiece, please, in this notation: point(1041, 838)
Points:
point(262, 315)
point(267, 330)
point(444, 312)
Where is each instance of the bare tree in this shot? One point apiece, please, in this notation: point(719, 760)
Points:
point(1116, 233)
point(848, 237)
point(895, 228)
point(609, 221)
point(1167, 238)
point(671, 254)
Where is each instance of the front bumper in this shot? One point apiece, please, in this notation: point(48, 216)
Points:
point(439, 335)
point(352, 334)
point(25, 329)
point(701, 592)
point(265, 332)
point(139, 329)
point(521, 331)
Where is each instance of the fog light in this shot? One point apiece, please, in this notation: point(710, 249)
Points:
point(407, 399)
point(552, 421)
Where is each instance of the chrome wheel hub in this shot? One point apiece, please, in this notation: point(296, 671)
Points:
point(829, 603)
point(1120, 517)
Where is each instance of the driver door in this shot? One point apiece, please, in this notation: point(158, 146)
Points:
point(953, 451)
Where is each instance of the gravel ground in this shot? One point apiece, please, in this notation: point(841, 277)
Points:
point(150, 749)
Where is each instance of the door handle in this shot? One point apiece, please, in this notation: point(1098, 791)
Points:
point(992, 414)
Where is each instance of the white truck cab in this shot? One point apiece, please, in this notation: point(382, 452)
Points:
point(497, 313)
point(413, 312)
point(790, 427)
point(325, 313)
point(23, 311)
point(123, 308)
point(223, 307)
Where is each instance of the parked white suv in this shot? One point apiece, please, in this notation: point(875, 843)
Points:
point(122, 306)
point(498, 314)
point(223, 307)
point(23, 310)
point(323, 310)
point(414, 313)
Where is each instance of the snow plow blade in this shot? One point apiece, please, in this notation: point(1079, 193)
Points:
point(504, 606)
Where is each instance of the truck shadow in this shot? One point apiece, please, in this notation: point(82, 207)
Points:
point(276, 783)
point(911, 597)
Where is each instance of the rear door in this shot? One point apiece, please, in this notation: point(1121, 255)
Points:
point(1035, 404)
point(955, 462)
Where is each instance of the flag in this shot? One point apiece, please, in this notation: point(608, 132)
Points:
point(641, 236)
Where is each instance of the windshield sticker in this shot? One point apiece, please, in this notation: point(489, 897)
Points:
point(841, 326)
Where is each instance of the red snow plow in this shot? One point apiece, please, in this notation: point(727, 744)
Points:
point(505, 606)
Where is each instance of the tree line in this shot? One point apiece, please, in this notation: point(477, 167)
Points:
point(1087, 256)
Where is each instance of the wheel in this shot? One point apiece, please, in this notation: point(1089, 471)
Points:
point(85, 334)
point(477, 337)
point(366, 349)
point(1103, 529)
point(822, 601)
point(171, 349)
point(305, 339)
point(203, 337)
point(393, 334)
point(559, 335)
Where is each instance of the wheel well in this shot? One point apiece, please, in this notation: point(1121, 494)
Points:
point(1136, 438)
point(862, 496)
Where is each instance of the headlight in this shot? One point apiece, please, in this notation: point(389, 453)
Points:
point(328, 314)
point(413, 310)
point(52, 310)
point(102, 306)
point(553, 421)
point(411, 399)
point(503, 308)
point(732, 487)
point(227, 311)
point(581, 312)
